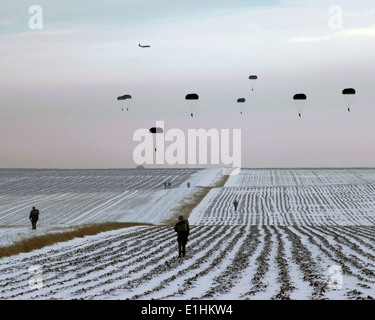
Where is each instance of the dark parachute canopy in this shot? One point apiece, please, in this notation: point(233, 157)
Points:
point(156, 130)
point(299, 96)
point(124, 97)
point(192, 96)
point(348, 91)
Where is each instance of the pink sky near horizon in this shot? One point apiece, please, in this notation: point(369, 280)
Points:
point(59, 85)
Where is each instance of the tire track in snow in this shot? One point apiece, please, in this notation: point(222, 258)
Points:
point(102, 207)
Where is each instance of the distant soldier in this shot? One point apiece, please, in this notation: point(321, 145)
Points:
point(34, 217)
point(188, 184)
point(165, 184)
point(235, 203)
point(183, 229)
point(169, 185)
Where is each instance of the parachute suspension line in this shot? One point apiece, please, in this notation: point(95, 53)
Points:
point(253, 78)
point(348, 94)
point(299, 99)
point(240, 102)
point(192, 101)
point(124, 97)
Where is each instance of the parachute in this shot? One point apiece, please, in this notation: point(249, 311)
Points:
point(192, 101)
point(299, 99)
point(241, 102)
point(348, 94)
point(125, 97)
point(156, 130)
point(253, 77)
point(299, 96)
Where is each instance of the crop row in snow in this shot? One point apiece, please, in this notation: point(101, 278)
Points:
point(296, 234)
point(300, 177)
point(304, 205)
point(223, 262)
point(38, 181)
point(75, 197)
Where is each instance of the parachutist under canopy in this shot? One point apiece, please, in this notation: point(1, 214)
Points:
point(191, 102)
point(348, 94)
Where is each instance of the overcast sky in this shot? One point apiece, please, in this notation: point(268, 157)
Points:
point(59, 84)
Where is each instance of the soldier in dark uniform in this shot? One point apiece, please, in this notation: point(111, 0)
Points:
point(235, 203)
point(182, 228)
point(34, 217)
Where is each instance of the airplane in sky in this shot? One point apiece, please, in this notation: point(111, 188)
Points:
point(145, 46)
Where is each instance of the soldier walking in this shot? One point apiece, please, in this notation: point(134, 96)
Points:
point(182, 228)
point(235, 203)
point(34, 217)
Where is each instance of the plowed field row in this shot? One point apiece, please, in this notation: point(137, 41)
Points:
point(301, 177)
point(246, 262)
point(332, 205)
point(28, 181)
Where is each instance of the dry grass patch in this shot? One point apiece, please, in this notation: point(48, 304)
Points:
point(39, 242)
point(190, 203)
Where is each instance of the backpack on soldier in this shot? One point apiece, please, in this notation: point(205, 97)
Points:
point(182, 227)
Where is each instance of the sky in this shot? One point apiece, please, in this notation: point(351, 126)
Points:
point(60, 82)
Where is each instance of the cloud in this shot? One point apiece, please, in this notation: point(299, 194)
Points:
point(355, 32)
point(361, 32)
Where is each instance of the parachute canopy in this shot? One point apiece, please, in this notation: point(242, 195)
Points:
point(299, 96)
point(192, 96)
point(156, 130)
point(348, 91)
point(241, 100)
point(124, 97)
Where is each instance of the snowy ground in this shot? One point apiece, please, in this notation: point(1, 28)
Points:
point(297, 234)
point(68, 198)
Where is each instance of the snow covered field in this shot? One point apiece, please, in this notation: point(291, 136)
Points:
point(297, 234)
point(67, 198)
